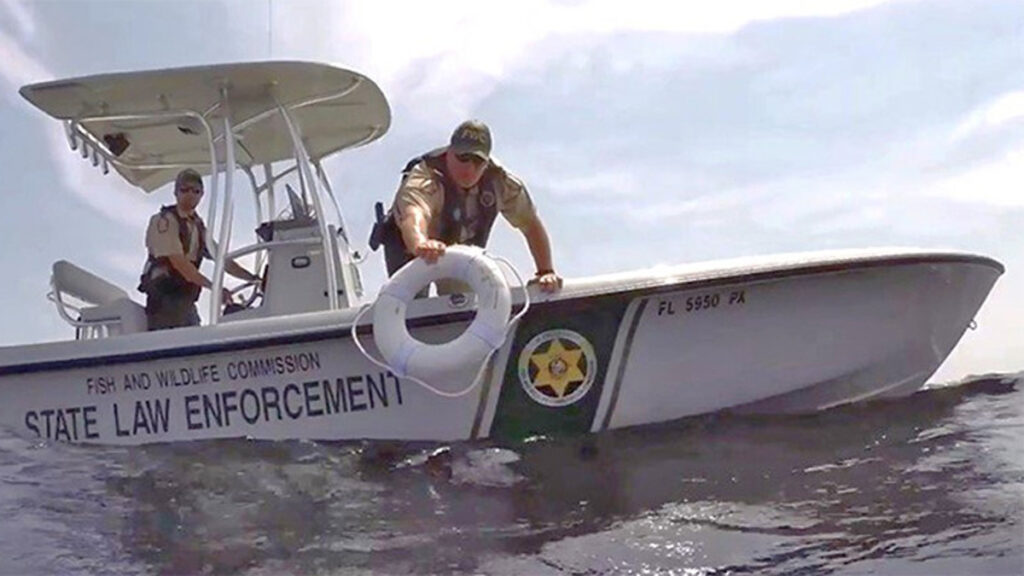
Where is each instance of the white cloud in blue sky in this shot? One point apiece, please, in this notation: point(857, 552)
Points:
point(649, 132)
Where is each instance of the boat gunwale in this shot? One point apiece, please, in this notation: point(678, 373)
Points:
point(651, 287)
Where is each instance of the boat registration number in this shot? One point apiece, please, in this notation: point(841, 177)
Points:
point(702, 302)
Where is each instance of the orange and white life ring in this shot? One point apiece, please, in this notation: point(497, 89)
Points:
point(435, 363)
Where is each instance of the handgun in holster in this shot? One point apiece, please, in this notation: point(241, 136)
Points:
point(385, 233)
point(377, 232)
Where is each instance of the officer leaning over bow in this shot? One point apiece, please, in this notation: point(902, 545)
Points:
point(452, 195)
point(171, 279)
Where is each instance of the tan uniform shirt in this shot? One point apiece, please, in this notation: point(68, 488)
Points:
point(162, 238)
point(422, 188)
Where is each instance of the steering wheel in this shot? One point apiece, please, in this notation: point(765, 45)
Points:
point(257, 291)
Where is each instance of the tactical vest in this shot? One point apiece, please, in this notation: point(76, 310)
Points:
point(453, 213)
point(158, 276)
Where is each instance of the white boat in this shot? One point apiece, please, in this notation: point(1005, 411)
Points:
point(787, 333)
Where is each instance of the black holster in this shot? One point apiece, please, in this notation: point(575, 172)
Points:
point(386, 233)
point(158, 280)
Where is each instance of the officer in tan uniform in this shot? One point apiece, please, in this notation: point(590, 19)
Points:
point(174, 239)
point(451, 196)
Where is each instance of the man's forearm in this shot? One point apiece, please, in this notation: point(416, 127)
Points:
point(236, 270)
point(188, 271)
point(414, 229)
point(540, 246)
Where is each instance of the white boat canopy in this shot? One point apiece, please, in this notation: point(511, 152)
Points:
point(149, 125)
point(283, 118)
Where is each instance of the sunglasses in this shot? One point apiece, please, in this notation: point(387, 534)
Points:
point(465, 158)
point(190, 189)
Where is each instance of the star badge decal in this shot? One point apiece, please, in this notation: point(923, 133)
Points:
point(557, 368)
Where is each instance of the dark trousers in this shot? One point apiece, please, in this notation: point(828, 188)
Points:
point(170, 310)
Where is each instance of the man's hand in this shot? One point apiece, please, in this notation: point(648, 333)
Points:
point(430, 250)
point(225, 296)
point(548, 281)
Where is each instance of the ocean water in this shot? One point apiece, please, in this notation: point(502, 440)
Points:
point(928, 485)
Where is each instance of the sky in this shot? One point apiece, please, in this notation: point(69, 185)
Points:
point(649, 133)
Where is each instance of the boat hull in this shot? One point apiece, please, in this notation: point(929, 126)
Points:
point(600, 356)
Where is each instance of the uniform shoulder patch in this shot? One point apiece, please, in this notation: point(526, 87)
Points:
point(163, 224)
point(511, 182)
point(512, 190)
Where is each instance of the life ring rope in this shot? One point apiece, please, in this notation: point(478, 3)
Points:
point(495, 339)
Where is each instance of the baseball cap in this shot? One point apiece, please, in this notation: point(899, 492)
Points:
point(472, 137)
point(188, 176)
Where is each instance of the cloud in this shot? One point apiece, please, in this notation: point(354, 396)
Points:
point(21, 17)
point(996, 182)
point(605, 184)
point(108, 196)
point(16, 67)
point(444, 58)
point(832, 120)
point(981, 160)
point(1005, 109)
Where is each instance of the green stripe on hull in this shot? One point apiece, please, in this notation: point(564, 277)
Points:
point(562, 352)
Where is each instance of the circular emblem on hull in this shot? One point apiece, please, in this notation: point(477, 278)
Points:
point(557, 367)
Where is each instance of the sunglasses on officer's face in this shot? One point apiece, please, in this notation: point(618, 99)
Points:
point(468, 157)
point(190, 189)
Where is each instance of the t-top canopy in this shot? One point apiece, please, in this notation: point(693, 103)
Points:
point(333, 108)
